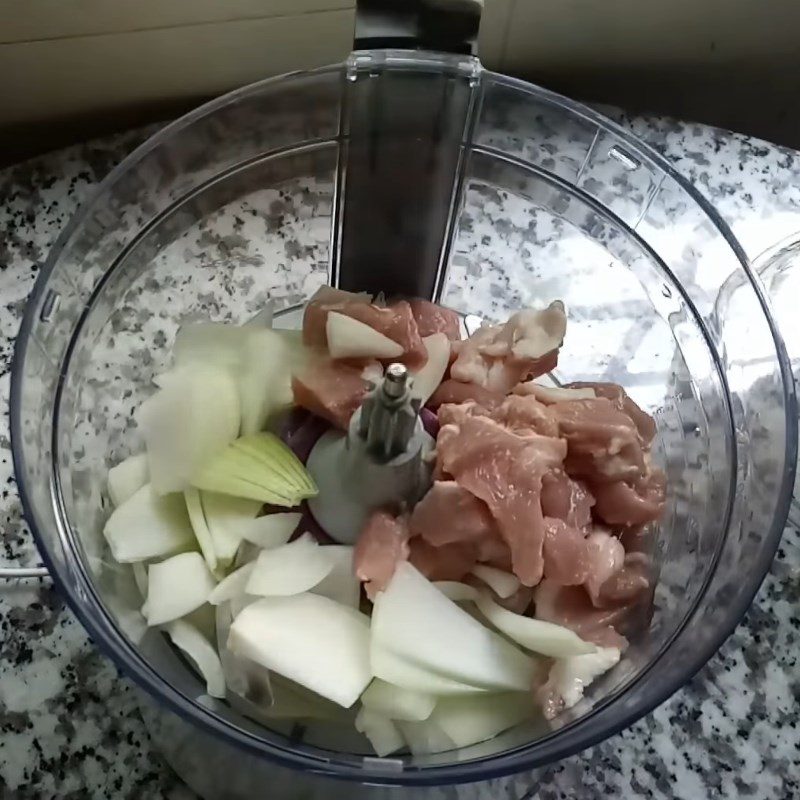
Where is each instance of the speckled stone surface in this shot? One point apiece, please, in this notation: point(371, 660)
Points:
point(70, 726)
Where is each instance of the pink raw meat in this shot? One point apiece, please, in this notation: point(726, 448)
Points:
point(505, 471)
point(645, 424)
point(382, 545)
point(571, 607)
point(566, 555)
point(604, 444)
point(633, 503)
point(330, 390)
point(526, 413)
point(566, 499)
point(628, 584)
point(432, 318)
point(450, 562)
point(605, 555)
point(448, 513)
point(456, 392)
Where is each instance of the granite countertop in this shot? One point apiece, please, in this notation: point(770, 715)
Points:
point(70, 723)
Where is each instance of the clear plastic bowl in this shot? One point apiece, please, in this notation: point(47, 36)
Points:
point(243, 201)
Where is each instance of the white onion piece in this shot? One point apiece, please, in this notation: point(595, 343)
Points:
point(140, 577)
point(397, 703)
point(225, 515)
point(208, 343)
point(469, 720)
point(126, 478)
point(557, 394)
point(271, 530)
point(186, 423)
point(399, 672)
point(456, 591)
point(349, 338)
point(570, 676)
point(383, 734)
point(176, 587)
point(231, 586)
point(200, 528)
point(309, 639)
point(265, 377)
point(289, 569)
point(416, 621)
point(502, 583)
point(424, 738)
point(341, 583)
point(148, 526)
point(200, 652)
point(534, 634)
point(428, 378)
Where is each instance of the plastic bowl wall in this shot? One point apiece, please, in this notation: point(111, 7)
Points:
point(239, 203)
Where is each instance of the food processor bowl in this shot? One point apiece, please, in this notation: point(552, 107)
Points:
point(417, 173)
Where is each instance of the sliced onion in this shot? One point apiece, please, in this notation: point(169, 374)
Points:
point(469, 720)
point(341, 583)
point(148, 526)
point(428, 378)
point(265, 377)
point(289, 569)
point(383, 734)
point(232, 586)
point(200, 528)
point(187, 423)
point(200, 652)
point(456, 591)
point(204, 343)
point(417, 622)
point(176, 587)
point(126, 478)
point(225, 516)
point(261, 467)
point(349, 338)
point(533, 634)
point(309, 639)
point(397, 703)
point(399, 672)
point(502, 583)
point(271, 530)
point(425, 738)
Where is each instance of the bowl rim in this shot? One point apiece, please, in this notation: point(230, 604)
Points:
point(545, 750)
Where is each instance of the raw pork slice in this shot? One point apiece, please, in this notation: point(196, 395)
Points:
point(450, 562)
point(566, 554)
point(566, 499)
point(432, 318)
point(604, 444)
point(631, 583)
point(606, 556)
point(645, 424)
point(448, 513)
point(505, 471)
point(498, 357)
point(630, 504)
point(456, 392)
point(526, 413)
point(330, 390)
point(383, 544)
point(571, 607)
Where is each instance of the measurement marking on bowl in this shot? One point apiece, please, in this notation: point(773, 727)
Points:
point(50, 305)
point(627, 160)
